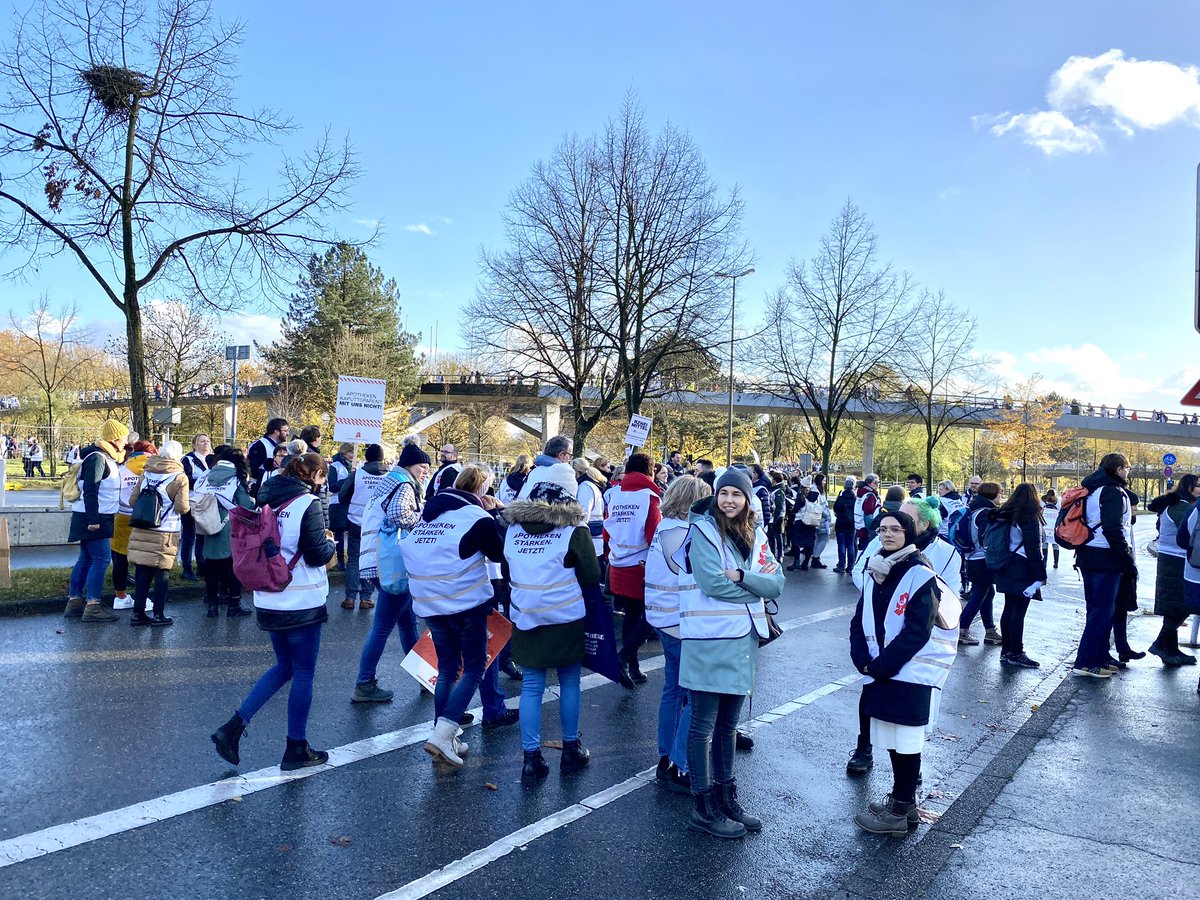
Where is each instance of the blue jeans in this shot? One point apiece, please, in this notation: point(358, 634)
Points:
point(1100, 594)
point(355, 587)
point(391, 610)
point(295, 661)
point(712, 738)
point(532, 688)
point(674, 711)
point(191, 540)
point(90, 568)
point(461, 643)
point(489, 691)
point(982, 593)
point(846, 550)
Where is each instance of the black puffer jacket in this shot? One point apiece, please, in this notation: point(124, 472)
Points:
point(843, 510)
point(1118, 555)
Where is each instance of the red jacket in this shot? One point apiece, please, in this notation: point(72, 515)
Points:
point(630, 581)
point(870, 506)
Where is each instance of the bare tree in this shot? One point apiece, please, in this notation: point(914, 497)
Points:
point(49, 351)
point(538, 312)
point(667, 232)
point(122, 141)
point(183, 344)
point(940, 366)
point(835, 329)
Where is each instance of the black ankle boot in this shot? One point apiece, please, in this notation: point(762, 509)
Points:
point(707, 817)
point(727, 797)
point(299, 755)
point(214, 610)
point(535, 766)
point(227, 737)
point(574, 758)
point(861, 762)
point(635, 671)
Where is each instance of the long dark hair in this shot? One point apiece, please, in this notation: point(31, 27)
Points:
point(235, 457)
point(305, 468)
point(739, 529)
point(1022, 506)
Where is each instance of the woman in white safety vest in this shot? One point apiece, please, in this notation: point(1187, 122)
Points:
point(721, 624)
point(396, 502)
point(590, 497)
point(667, 581)
point(551, 564)
point(130, 473)
point(152, 551)
point(629, 523)
point(1021, 577)
point(292, 617)
point(1170, 601)
point(446, 557)
point(355, 493)
point(341, 467)
point(92, 515)
point(903, 639)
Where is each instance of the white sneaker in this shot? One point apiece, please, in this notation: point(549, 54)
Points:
point(125, 602)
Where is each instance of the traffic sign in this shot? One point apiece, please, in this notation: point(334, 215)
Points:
point(1168, 471)
point(1169, 460)
point(1170, 483)
point(1192, 397)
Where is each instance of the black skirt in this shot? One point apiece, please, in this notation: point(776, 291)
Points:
point(1168, 587)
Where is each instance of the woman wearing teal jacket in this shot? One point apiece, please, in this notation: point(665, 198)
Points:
point(720, 626)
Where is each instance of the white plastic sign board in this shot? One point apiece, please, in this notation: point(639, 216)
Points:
point(639, 430)
point(358, 418)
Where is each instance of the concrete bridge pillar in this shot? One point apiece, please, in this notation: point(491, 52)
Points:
point(551, 420)
point(868, 454)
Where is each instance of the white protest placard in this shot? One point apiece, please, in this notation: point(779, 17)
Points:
point(358, 418)
point(639, 430)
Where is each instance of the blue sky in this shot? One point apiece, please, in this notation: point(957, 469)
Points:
point(1053, 199)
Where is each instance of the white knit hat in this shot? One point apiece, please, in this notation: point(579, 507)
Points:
point(560, 474)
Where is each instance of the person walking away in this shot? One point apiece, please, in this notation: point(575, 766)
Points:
point(229, 480)
point(447, 472)
point(293, 617)
point(949, 502)
point(546, 536)
point(666, 583)
point(263, 450)
point(843, 525)
point(136, 457)
point(341, 467)
point(195, 464)
point(720, 626)
point(904, 650)
point(514, 481)
point(866, 508)
point(1049, 517)
point(152, 551)
point(824, 526)
point(445, 556)
point(632, 517)
point(1102, 561)
point(1021, 577)
point(356, 492)
point(92, 516)
point(969, 541)
point(397, 502)
point(1170, 601)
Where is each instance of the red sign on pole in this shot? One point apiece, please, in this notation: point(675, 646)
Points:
point(1192, 397)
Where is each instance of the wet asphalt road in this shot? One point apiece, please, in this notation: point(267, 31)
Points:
point(1091, 795)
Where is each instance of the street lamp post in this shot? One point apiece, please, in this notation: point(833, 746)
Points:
point(732, 325)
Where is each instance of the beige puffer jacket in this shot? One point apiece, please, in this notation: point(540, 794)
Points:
point(158, 549)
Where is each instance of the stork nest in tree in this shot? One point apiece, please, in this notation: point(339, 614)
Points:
point(114, 87)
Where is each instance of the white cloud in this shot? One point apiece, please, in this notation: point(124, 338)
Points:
point(1087, 95)
point(420, 228)
point(247, 329)
point(1050, 132)
point(367, 223)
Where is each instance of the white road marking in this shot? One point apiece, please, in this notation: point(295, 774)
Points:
point(93, 828)
point(523, 837)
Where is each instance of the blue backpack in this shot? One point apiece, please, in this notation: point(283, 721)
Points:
point(957, 533)
point(968, 535)
point(393, 576)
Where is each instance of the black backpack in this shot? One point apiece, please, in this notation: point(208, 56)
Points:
point(148, 510)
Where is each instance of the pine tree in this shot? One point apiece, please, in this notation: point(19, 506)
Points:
point(345, 320)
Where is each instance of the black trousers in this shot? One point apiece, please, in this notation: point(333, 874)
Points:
point(220, 583)
point(145, 577)
point(1012, 623)
point(633, 627)
point(120, 572)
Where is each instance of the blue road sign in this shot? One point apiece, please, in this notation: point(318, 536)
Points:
point(1169, 459)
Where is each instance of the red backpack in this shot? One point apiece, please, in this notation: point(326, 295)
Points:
point(1071, 528)
point(255, 541)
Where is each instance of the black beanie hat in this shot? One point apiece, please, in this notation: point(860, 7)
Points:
point(374, 453)
point(412, 455)
point(906, 522)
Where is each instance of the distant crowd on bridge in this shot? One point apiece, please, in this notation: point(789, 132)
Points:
point(562, 546)
point(160, 392)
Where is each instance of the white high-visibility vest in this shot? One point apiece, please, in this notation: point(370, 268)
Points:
point(170, 520)
point(372, 518)
point(310, 584)
point(544, 590)
point(591, 501)
point(704, 618)
point(108, 499)
point(441, 582)
point(1092, 510)
point(625, 523)
point(361, 494)
point(665, 587)
point(128, 480)
point(931, 665)
point(343, 472)
point(942, 555)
